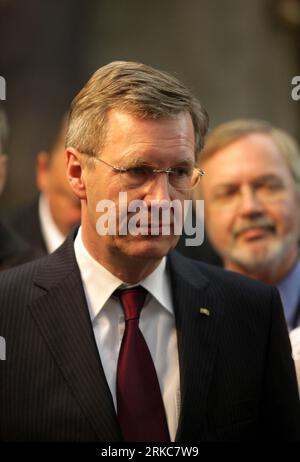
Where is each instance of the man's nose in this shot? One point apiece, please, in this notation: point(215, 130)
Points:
point(159, 189)
point(250, 203)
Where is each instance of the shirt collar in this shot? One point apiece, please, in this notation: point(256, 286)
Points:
point(99, 283)
point(158, 285)
point(52, 235)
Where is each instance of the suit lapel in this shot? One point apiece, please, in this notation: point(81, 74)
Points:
point(62, 315)
point(197, 333)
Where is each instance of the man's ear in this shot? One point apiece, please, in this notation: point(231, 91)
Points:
point(75, 172)
point(41, 168)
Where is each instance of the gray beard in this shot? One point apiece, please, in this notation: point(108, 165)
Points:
point(266, 261)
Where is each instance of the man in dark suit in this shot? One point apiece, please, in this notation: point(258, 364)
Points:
point(252, 203)
point(45, 222)
point(115, 337)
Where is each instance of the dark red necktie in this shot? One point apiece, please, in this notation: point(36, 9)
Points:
point(141, 412)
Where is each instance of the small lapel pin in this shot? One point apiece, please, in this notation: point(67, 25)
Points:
point(204, 311)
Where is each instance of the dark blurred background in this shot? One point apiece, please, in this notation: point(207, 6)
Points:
point(239, 57)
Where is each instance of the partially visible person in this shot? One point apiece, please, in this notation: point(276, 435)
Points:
point(13, 249)
point(251, 193)
point(45, 222)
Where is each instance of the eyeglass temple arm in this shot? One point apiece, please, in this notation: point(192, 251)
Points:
point(117, 169)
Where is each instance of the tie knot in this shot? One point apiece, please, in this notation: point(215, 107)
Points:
point(132, 301)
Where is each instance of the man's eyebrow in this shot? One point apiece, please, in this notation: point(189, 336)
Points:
point(136, 161)
point(255, 181)
point(229, 184)
point(268, 177)
point(186, 161)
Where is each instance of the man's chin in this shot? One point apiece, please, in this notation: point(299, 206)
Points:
point(149, 246)
point(256, 254)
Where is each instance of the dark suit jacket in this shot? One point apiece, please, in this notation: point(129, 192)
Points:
point(237, 376)
point(296, 318)
point(24, 219)
point(204, 252)
point(13, 249)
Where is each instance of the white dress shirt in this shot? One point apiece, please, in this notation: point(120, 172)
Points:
point(157, 323)
point(53, 237)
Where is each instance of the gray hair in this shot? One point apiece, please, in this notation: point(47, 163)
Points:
point(228, 132)
point(137, 89)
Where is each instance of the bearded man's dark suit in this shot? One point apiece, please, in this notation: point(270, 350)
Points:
point(236, 372)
